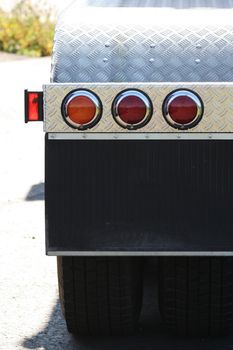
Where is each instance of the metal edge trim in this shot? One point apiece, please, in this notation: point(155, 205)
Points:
point(110, 253)
point(136, 85)
point(140, 136)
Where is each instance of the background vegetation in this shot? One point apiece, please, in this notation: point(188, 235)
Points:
point(27, 30)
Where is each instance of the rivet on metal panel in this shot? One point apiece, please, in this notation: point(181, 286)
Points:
point(198, 46)
point(105, 59)
point(107, 44)
point(197, 60)
point(152, 46)
point(151, 60)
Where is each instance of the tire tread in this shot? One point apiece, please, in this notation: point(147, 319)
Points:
point(196, 295)
point(100, 295)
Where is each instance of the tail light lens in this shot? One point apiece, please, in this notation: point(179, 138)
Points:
point(183, 109)
point(81, 109)
point(132, 109)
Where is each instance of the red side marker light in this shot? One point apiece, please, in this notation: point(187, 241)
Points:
point(33, 106)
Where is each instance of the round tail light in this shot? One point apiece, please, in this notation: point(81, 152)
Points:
point(81, 109)
point(132, 109)
point(183, 109)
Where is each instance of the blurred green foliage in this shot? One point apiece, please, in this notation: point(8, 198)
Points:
point(27, 30)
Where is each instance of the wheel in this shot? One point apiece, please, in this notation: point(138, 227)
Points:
point(100, 295)
point(196, 295)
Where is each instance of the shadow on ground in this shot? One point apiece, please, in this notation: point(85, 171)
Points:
point(36, 193)
point(150, 335)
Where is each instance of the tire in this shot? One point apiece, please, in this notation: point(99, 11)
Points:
point(196, 295)
point(100, 295)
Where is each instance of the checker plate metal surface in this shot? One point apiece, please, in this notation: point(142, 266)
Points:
point(217, 99)
point(159, 44)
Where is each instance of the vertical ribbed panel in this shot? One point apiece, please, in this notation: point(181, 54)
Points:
point(139, 195)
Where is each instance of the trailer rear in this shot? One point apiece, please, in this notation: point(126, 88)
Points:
point(138, 123)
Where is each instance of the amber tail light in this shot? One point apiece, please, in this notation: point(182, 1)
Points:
point(81, 109)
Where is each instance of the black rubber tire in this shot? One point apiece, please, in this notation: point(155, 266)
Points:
point(196, 295)
point(100, 295)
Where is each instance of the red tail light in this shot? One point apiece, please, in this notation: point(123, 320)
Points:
point(81, 109)
point(132, 109)
point(183, 109)
point(33, 106)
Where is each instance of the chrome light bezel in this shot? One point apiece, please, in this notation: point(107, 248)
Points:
point(141, 95)
point(93, 97)
point(180, 93)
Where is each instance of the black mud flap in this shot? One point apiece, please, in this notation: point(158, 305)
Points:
point(139, 196)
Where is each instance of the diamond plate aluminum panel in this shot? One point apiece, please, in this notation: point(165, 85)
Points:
point(217, 99)
point(159, 3)
point(145, 44)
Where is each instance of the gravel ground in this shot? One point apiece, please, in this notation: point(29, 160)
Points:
point(30, 316)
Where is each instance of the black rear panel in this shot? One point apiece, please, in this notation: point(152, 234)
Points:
point(139, 196)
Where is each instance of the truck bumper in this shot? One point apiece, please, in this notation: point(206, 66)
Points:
point(137, 197)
